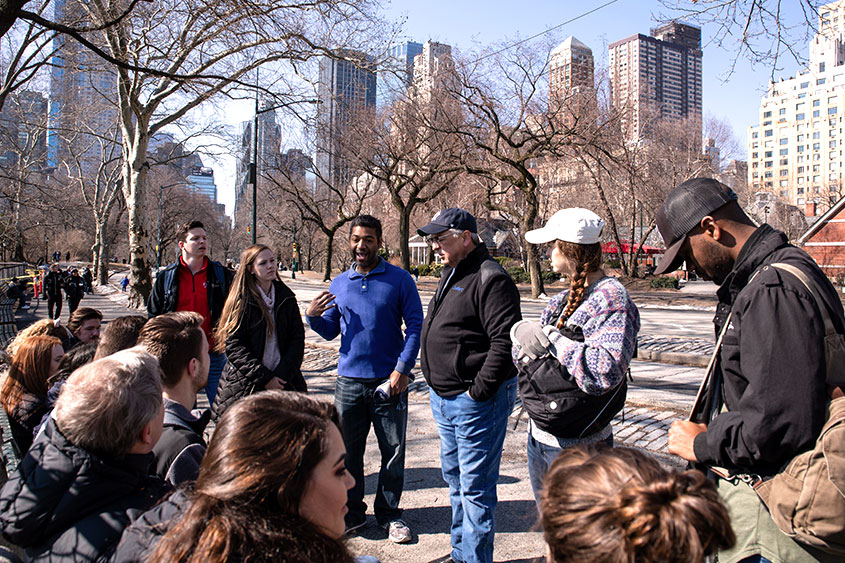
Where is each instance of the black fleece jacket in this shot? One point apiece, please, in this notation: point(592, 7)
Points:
point(466, 343)
point(772, 363)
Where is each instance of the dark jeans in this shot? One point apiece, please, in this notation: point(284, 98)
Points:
point(216, 362)
point(72, 304)
point(54, 302)
point(359, 409)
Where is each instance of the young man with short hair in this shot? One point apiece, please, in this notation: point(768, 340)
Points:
point(179, 344)
point(194, 283)
point(367, 305)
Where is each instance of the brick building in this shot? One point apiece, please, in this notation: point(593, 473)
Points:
point(825, 240)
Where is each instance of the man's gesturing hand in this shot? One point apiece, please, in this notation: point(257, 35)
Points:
point(320, 304)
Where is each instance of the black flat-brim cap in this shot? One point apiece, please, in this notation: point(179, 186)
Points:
point(682, 210)
point(451, 218)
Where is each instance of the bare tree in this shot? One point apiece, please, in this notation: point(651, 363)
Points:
point(223, 42)
point(762, 32)
point(509, 122)
point(403, 154)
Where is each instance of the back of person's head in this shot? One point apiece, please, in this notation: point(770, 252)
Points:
point(174, 339)
point(105, 405)
point(82, 314)
point(246, 501)
point(44, 327)
point(120, 334)
point(29, 370)
point(73, 359)
point(618, 505)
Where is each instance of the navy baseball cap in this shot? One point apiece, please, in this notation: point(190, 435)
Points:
point(451, 218)
point(682, 210)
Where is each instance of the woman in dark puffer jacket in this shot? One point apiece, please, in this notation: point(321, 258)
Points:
point(261, 332)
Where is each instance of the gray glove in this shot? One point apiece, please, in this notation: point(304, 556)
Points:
point(530, 340)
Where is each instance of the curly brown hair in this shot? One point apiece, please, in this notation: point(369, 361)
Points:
point(618, 505)
point(587, 259)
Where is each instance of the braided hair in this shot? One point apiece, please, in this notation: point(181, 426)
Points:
point(587, 259)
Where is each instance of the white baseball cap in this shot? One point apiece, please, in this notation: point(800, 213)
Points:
point(575, 224)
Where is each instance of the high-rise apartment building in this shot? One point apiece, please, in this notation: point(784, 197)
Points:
point(347, 88)
point(656, 78)
point(571, 81)
point(23, 126)
point(796, 151)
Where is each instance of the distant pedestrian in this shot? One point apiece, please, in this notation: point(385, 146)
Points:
point(577, 356)
point(416, 273)
point(75, 290)
point(124, 283)
point(88, 278)
point(67, 257)
point(53, 285)
point(466, 360)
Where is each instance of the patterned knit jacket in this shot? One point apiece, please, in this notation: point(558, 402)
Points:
point(610, 322)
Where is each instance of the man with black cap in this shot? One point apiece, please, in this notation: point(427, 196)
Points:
point(466, 360)
point(767, 398)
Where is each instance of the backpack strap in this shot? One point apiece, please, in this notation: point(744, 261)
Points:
point(220, 275)
point(829, 329)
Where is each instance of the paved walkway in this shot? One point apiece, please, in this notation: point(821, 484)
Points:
point(657, 395)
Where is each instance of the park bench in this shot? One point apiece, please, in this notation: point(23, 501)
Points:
point(8, 327)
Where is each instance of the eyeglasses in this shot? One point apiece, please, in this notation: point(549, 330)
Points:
point(439, 239)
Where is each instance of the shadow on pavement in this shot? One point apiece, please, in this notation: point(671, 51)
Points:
point(512, 516)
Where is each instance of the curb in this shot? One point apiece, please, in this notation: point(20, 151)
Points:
point(677, 358)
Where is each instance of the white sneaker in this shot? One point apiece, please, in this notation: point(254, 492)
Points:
point(398, 532)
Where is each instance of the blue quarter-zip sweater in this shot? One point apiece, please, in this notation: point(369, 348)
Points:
point(368, 315)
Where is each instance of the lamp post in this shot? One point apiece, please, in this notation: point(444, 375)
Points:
point(46, 247)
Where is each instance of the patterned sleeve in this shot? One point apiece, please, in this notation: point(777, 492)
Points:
point(610, 322)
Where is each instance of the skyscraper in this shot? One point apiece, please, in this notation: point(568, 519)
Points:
point(347, 89)
point(570, 77)
point(269, 139)
point(796, 150)
point(402, 54)
point(82, 90)
point(658, 77)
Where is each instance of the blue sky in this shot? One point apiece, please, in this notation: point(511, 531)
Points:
point(469, 24)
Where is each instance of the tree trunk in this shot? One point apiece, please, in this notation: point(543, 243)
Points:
point(101, 258)
point(404, 247)
point(327, 271)
point(532, 206)
point(134, 181)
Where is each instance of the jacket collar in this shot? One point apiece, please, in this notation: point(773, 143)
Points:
point(378, 269)
point(175, 413)
point(759, 246)
point(475, 257)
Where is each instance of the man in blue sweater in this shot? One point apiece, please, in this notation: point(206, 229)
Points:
point(366, 305)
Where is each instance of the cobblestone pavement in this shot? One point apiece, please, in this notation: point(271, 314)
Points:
point(686, 345)
point(638, 425)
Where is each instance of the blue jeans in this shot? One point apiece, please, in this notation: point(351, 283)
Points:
point(540, 458)
point(471, 437)
point(359, 408)
point(216, 362)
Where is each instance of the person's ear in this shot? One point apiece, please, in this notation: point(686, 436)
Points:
point(146, 438)
point(710, 227)
point(192, 367)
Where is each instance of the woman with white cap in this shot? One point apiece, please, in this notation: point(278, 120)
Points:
point(572, 364)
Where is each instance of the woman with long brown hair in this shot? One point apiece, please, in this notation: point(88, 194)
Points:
point(261, 332)
point(572, 364)
point(272, 487)
point(618, 505)
point(24, 390)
